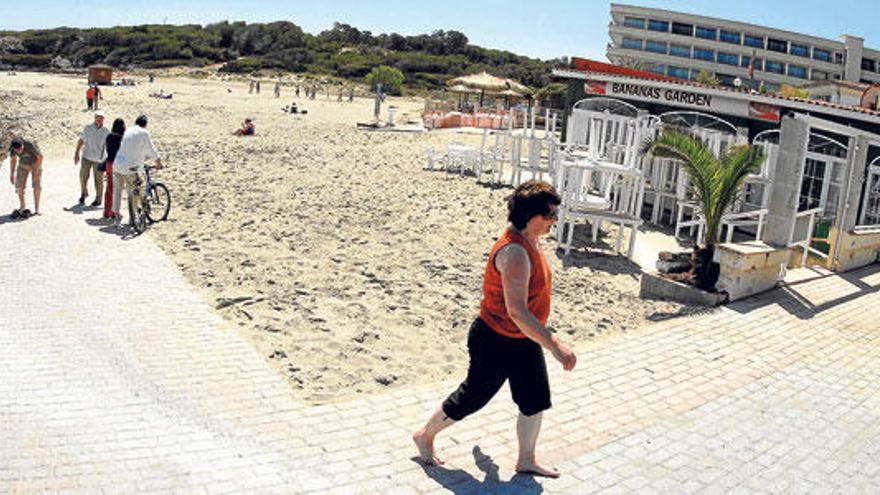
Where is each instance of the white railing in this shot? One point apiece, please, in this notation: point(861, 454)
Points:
point(805, 243)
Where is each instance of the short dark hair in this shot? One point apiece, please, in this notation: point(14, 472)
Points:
point(15, 144)
point(141, 121)
point(530, 199)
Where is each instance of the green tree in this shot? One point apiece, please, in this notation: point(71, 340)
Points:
point(390, 78)
point(717, 181)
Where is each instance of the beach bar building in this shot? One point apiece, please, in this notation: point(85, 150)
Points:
point(100, 74)
point(816, 199)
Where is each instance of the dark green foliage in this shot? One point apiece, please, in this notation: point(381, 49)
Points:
point(426, 61)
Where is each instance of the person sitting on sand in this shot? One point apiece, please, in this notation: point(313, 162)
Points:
point(26, 155)
point(161, 95)
point(247, 128)
point(505, 340)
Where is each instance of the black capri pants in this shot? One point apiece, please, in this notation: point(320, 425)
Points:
point(495, 358)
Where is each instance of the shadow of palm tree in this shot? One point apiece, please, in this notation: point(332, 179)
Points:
point(461, 482)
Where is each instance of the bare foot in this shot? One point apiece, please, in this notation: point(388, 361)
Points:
point(537, 470)
point(426, 448)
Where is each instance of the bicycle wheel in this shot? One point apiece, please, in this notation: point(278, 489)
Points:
point(160, 203)
point(137, 213)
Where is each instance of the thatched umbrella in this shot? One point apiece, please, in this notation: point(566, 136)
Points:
point(485, 82)
point(461, 89)
point(509, 94)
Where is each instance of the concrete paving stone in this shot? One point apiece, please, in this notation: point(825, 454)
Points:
point(740, 395)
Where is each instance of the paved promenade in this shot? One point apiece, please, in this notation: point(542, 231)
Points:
point(117, 376)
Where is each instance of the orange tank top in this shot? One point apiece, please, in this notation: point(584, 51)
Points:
point(493, 310)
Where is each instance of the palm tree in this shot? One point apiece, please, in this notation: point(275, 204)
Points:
point(717, 181)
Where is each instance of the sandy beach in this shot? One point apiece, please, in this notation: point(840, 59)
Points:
point(348, 266)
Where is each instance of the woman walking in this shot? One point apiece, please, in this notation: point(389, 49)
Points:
point(506, 339)
point(114, 139)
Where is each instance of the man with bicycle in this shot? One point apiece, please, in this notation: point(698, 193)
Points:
point(135, 149)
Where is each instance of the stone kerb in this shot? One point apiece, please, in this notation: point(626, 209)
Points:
point(749, 268)
point(857, 249)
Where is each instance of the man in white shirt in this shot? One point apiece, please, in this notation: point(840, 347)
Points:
point(91, 143)
point(135, 149)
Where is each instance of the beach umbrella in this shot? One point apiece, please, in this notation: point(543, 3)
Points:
point(462, 90)
point(487, 83)
point(508, 94)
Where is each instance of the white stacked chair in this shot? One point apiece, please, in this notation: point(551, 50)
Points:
point(607, 185)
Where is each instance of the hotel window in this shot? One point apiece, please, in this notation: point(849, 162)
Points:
point(728, 58)
point(777, 45)
point(747, 58)
point(657, 69)
point(868, 64)
point(632, 44)
point(678, 72)
point(656, 47)
point(838, 58)
point(634, 22)
point(730, 37)
point(775, 67)
point(823, 55)
point(799, 50)
point(680, 51)
point(681, 28)
point(704, 54)
point(655, 25)
point(706, 33)
point(797, 71)
point(755, 41)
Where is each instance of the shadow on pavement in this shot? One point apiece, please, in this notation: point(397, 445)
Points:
point(79, 209)
point(805, 304)
point(8, 219)
point(108, 227)
point(459, 481)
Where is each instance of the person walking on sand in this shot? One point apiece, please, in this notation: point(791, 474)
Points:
point(136, 148)
point(25, 159)
point(98, 96)
point(258, 87)
point(111, 147)
point(277, 89)
point(297, 90)
point(90, 97)
point(91, 143)
point(505, 341)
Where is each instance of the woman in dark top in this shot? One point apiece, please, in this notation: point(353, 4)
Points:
point(112, 146)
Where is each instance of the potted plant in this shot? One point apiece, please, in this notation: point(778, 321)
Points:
point(717, 182)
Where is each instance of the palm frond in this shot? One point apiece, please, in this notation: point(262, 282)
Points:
point(717, 181)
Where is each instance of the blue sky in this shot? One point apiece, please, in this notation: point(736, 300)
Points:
point(540, 28)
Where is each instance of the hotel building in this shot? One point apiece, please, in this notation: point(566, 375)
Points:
point(679, 45)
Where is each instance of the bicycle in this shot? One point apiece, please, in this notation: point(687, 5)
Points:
point(157, 204)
